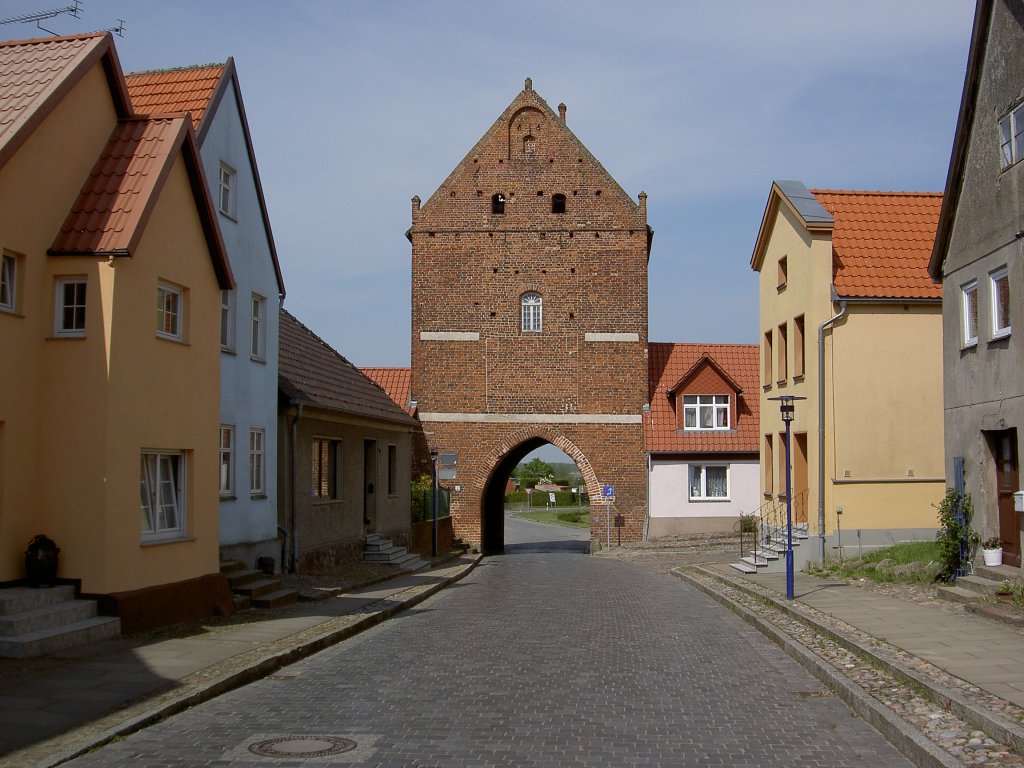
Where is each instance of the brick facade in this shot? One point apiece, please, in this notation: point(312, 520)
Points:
point(492, 392)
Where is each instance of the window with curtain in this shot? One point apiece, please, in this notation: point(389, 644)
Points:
point(709, 481)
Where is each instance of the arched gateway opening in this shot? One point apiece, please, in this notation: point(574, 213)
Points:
point(502, 462)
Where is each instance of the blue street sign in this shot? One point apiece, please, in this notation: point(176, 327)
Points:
point(607, 491)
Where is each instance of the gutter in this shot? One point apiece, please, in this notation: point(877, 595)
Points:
point(821, 423)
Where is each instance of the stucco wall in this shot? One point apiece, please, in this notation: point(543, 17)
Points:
point(671, 509)
point(248, 523)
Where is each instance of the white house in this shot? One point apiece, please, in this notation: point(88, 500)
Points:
point(249, 313)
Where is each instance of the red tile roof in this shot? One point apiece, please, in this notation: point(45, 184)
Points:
point(36, 74)
point(313, 372)
point(883, 242)
point(396, 382)
point(668, 364)
point(188, 89)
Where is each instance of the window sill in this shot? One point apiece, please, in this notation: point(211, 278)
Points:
point(260, 495)
point(226, 215)
point(228, 497)
point(325, 502)
point(1000, 336)
point(798, 378)
point(972, 344)
point(172, 339)
point(10, 312)
point(260, 360)
point(228, 351)
point(766, 387)
point(781, 383)
point(169, 540)
point(703, 500)
point(780, 288)
point(67, 337)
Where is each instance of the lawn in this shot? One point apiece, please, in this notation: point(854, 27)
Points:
point(582, 517)
point(909, 562)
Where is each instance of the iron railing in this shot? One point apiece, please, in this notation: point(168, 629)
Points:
point(770, 525)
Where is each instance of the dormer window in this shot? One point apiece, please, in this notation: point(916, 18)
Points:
point(532, 304)
point(558, 203)
point(705, 412)
point(498, 204)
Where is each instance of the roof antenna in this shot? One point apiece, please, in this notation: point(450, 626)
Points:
point(40, 16)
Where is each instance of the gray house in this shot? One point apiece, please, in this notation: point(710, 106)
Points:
point(978, 258)
point(344, 454)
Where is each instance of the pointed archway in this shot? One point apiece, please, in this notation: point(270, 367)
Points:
point(498, 468)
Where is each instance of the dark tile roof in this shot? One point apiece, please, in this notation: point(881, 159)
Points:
point(311, 371)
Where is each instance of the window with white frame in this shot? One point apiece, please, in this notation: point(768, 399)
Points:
point(705, 412)
point(326, 458)
point(170, 308)
point(709, 481)
point(256, 471)
point(258, 346)
point(1011, 137)
point(8, 276)
point(227, 320)
point(1000, 283)
point(227, 460)
point(226, 190)
point(69, 307)
point(532, 306)
point(969, 310)
point(162, 489)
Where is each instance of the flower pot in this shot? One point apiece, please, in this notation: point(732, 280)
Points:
point(41, 561)
point(993, 556)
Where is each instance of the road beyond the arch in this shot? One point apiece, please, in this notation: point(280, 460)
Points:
point(542, 657)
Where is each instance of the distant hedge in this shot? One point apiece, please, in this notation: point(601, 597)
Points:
point(541, 499)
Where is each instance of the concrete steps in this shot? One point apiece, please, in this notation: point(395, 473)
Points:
point(35, 622)
point(770, 556)
point(982, 585)
point(381, 550)
point(254, 588)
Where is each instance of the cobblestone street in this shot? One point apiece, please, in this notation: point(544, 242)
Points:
point(541, 657)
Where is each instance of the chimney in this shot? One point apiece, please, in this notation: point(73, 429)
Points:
point(529, 85)
point(561, 111)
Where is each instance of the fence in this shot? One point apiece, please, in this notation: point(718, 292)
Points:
point(422, 509)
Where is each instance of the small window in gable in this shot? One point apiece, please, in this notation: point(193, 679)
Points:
point(8, 276)
point(529, 146)
point(498, 204)
point(69, 317)
point(1000, 284)
point(701, 412)
point(783, 272)
point(970, 313)
point(558, 203)
point(1011, 137)
point(532, 305)
point(227, 190)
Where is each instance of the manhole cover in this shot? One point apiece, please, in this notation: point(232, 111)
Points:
point(302, 746)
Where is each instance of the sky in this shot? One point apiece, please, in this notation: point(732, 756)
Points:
point(356, 106)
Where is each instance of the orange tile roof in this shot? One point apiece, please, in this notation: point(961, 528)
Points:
point(35, 75)
point(883, 242)
point(188, 89)
point(668, 364)
point(396, 382)
point(313, 372)
point(115, 198)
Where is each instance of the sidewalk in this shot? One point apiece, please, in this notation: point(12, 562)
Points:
point(86, 697)
point(906, 638)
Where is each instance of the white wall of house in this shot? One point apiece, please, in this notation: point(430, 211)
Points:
point(248, 519)
point(672, 510)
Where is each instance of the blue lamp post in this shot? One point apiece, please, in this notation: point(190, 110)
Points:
point(787, 408)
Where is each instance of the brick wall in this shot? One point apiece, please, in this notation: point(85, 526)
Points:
point(470, 268)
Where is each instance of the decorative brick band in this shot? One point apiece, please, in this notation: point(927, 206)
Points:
point(533, 418)
point(449, 336)
point(612, 337)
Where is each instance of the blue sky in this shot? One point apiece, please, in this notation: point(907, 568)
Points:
point(355, 107)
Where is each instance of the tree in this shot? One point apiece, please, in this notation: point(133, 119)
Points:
point(533, 472)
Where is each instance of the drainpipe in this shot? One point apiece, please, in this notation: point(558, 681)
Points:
point(647, 515)
point(821, 424)
point(293, 459)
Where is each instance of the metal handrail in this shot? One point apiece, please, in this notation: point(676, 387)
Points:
point(770, 521)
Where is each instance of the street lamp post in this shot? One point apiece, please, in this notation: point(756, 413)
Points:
point(787, 409)
point(433, 496)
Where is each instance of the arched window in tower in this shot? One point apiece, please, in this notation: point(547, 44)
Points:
point(529, 145)
point(498, 203)
point(558, 203)
point(532, 305)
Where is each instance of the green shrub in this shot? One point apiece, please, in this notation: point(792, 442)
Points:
point(573, 516)
point(748, 524)
point(952, 532)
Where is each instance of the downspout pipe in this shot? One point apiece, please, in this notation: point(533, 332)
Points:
point(293, 460)
point(821, 425)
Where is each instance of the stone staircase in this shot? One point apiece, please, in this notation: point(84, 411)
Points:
point(981, 586)
point(380, 550)
point(254, 588)
point(38, 621)
point(768, 553)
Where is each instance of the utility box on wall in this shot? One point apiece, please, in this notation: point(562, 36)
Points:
point(1018, 501)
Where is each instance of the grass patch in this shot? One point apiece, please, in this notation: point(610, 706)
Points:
point(911, 562)
point(575, 518)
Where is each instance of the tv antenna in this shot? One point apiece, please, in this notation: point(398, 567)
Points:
point(70, 10)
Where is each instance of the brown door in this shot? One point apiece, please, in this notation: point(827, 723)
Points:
point(1004, 448)
point(800, 494)
point(370, 486)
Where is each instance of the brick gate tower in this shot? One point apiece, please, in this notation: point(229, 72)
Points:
point(529, 320)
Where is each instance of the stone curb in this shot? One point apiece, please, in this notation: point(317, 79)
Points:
point(176, 703)
point(996, 726)
point(912, 744)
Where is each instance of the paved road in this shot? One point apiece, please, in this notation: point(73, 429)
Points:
point(540, 657)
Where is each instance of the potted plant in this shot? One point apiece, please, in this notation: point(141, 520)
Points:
point(1004, 590)
point(992, 551)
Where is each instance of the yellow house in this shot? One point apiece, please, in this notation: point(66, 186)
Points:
point(852, 324)
point(109, 336)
